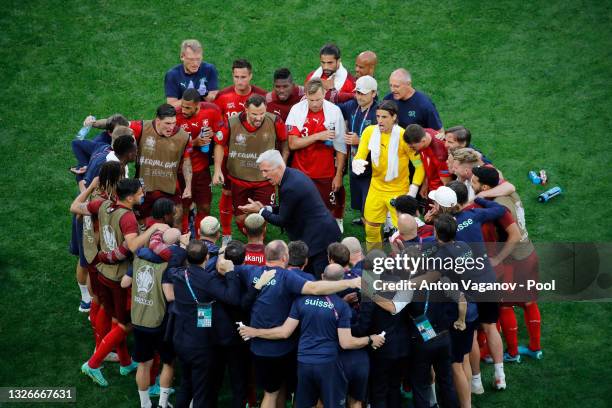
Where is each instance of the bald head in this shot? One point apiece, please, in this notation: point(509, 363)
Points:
point(365, 64)
point(171, 236)
point(353, 245)
point(276, 250)
point(333, 272)
point(407, 226)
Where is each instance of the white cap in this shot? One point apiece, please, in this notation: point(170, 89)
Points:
point(444, 196)
point(366, 84)
point(209, 225)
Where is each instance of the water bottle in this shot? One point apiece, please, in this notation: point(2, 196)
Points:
point(83, 132)
point(330, 126)
point(535, 179)
point(547, 195)
point(205, 148)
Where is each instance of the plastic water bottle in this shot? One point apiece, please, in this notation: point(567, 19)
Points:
point(240, 324)
point(205, 148)
point(535, 179)
point(83, 132)
point(330, 126)
point(548, 194)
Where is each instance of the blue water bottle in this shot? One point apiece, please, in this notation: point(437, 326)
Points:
point(330, 126)
point(548, 194)
point(83, 132)
point(205, 148)
point(535, 179)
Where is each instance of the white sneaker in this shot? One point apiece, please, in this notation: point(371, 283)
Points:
point(499, 383)
point(477, 388)
point(226, 240)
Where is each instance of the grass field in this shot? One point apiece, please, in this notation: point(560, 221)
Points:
point(532, 80)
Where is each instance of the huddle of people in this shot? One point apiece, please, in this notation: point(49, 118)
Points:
point(295, 321)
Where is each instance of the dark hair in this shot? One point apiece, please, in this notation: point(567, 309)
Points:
point(242, 63)
point(298, 253)
point(460, 189)
point(110, 174)
point(389, 106)
point(127, 187)
point(161, 207)
point(255, 100)
point(462, 134)
point(124, 145)
point(486, 175)
point(235, 251)
point(330, 49)
point(282, 73)
point(406, 204)
point(338, 253)
point(165, 110)
point(191, 95)
point(414, 133)
point(114, 121)
point(196, 252)
point(446, 227)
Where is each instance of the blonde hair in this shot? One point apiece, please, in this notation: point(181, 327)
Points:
point(121, 131)
point(313, 86)
point(466, 155)
point(193, 44)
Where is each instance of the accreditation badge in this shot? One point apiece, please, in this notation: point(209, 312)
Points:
point(204, 315)
point(425, 328)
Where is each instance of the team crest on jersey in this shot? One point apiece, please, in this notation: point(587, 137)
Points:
point(412, 114)
point(149, 143)
point(144, 279)
point(108, 235)
point(241, 139)
point(230, 105)
point(205, 122)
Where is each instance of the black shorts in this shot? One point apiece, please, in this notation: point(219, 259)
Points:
point(272, 372)
point(488, 312)
point(461, 341)
point(147, 343)
point(356, 365)
point(326, 382)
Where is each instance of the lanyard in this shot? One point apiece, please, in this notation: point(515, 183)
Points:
point(426, 303)
point(333, 307)
point(362, 120)
point(191, 290)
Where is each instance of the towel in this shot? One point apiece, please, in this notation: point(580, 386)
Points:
point(392, 151)
point(339, 76)
point(333, 115)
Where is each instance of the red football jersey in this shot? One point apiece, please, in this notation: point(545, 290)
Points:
point(209, 115)
point(255, 254)
point(231, 103)
point(282, 108)
point(316, 160)
point(434, 161)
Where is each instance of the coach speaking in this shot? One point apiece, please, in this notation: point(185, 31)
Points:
point(301, 211)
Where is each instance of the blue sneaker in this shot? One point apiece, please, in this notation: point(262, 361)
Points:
point(84, 307)
point(95, 374)
point(154, 391)
point(536, 355)
point(508, 358)
point(128, 369)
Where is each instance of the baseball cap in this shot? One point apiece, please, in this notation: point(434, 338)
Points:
point(405, 204)
point(366, 84)
point(209, 225)
point(254, 221)
point(444, 196)
point(486, 175)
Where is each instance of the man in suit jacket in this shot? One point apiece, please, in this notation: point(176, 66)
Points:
point(301, 211)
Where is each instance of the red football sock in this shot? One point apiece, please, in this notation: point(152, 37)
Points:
point(507, 318)
point(124, 355)
point(108, 343)
point(225, 213)
point(103, 324)
point(534, 324)
point(198, 219)
point(482, 342)
point(154, 369)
